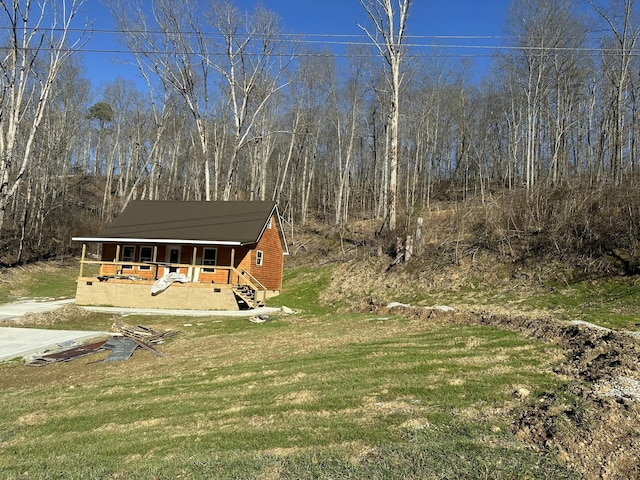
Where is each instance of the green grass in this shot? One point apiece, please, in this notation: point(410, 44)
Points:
point(43, 280)
point(297, 397)
point(613, 303)
point(610, 302)
point(313, 395)
point(302, 289)
point(53, 287)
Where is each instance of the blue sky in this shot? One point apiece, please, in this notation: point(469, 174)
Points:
point(428, 19)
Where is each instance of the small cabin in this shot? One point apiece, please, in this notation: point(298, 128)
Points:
point(185, 255)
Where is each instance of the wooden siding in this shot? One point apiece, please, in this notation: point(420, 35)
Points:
point(270, 272)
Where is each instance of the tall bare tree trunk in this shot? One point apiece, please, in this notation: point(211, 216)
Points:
point(382, 14)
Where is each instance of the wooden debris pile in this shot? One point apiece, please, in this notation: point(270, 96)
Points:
point(125, 341)
point(142, 333)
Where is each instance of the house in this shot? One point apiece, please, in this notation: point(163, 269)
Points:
point(186, 255)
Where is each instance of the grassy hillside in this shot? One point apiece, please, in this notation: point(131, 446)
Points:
point(315, 394)
point(502, 386)
point(362, 397)
point(41, 280)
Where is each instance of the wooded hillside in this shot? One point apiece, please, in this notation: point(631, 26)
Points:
point(540, 156)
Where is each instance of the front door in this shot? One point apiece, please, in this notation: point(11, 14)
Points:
point(173, 256)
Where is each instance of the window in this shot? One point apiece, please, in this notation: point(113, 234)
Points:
point(146, 255)
point(128, 255)
point(174, 255)
point(210, 257)
point(259, 257)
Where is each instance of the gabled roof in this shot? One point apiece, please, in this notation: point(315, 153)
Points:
point(207, 223)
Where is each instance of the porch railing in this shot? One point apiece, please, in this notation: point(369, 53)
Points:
point(234, 276)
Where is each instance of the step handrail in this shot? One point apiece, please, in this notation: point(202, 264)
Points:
point(253, 280)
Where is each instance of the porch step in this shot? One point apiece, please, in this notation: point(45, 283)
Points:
point(247, 295)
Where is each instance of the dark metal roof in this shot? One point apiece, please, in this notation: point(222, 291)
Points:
point(231, 223)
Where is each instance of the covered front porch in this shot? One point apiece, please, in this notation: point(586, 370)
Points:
point(127, 279)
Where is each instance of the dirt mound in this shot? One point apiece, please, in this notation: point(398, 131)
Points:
point(593, 353)
point(597, 437)
point(49, 319)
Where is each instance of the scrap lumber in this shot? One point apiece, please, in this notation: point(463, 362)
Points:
point(148, 347)
point(140, 332)
point(122, 347)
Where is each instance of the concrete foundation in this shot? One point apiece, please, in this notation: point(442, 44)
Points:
point(137, 294)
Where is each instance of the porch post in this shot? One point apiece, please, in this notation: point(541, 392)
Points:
point(84, 252)
point(233, 265)
point(155, 262)
point(115, 274)
point(193, 263)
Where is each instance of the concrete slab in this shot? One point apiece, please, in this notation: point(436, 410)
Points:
point(22, 342)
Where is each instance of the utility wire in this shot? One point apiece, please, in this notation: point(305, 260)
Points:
point(346, 40)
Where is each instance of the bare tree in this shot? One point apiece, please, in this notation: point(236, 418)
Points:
point(46, 199)
point(309, 99)
point(619, 52)
point(528, 21)
point(102, 114)
point(348, 116)
point(250, 62)
point(39, 43)
point(543, 78)
point(388, 37)
point(173, 46)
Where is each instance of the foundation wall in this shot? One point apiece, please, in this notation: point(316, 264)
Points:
point(132, 294)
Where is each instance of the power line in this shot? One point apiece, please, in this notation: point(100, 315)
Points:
point(295, 37)
point(279, 34)
point(438, 49)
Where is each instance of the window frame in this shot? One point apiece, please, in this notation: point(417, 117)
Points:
point(207, 266)
point(127, 258)
point(143, 259)
point(259, 258)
